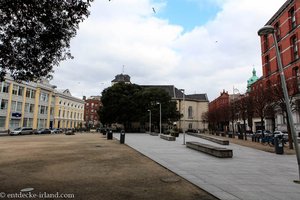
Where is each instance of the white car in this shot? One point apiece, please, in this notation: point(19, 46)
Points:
point(21, 131)
point(284, 135)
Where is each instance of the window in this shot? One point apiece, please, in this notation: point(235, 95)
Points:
point(44, 97)
point(267, 66)
point(294, 48)
point(296, 75)
point(14, 123)
point(266, 41)
point(292, 18)
point(277, 31)
point(28, 122)
point(42, 109)
point(30, 93)
point(29, 108)
point(15, 90)
point(42, 123)
point(59, 112)
point(190, 112)
point(5, 87)
point(51, 111)
point(4, 103)
point(190, 126)
point(18, 90)
point(2, 121)
point(26, 107)
point(268, 84)
point(16, 106)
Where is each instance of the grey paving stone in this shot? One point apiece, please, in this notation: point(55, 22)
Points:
point(250, 175)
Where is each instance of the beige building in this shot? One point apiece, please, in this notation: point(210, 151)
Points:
point(36, 105)
point(69, 110)
point(192, 107)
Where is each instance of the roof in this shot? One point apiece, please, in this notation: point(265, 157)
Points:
point(121, 78)
point(280, 11)
point(176, 93)
point(251, 80)
point(198, 97)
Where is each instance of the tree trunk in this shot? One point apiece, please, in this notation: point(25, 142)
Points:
point(245, 132)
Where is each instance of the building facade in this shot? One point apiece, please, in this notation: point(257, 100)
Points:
point(69, 110)
point(91, 107)
point(29, 104)
point(191, 107)
point(286, 22)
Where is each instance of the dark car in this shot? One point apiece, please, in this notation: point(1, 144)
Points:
point(69, 131)
point(43, 131)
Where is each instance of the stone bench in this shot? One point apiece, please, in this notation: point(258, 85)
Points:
point(209, 149)
point(212, 139)
point(167, 137)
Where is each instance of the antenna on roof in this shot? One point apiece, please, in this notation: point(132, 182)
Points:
point(123, 69)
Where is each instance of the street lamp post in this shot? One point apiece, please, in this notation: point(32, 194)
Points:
point(158, 103)
point(183, 98)
point(266, 30)
point(149, 121)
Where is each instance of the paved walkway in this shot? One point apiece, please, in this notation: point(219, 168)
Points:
point(250, 175)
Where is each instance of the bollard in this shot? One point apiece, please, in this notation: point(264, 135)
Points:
point(122, 137)
point(109, 135)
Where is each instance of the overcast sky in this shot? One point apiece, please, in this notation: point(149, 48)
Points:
point(202, 46)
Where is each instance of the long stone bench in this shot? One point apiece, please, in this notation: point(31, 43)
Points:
point(167, 137)
point(209, 149)
point(212, 139)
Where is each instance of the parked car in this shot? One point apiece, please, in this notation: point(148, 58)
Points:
point(70, 131)
point(22, 131)
point(42, 131)
point(283, 134)
point(263, 133)
point(56, 131)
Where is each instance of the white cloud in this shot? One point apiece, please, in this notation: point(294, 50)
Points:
point(208, 59)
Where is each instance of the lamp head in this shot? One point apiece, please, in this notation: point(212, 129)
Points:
point(266, 30)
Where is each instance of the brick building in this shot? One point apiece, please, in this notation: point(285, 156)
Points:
point(286, 23)
point(219, 113)
point(91, 107)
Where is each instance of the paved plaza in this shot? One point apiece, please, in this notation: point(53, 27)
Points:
point(250, 175)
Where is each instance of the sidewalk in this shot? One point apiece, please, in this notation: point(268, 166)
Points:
point(250, 175)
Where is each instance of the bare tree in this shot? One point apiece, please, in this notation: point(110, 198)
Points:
point(278, 99)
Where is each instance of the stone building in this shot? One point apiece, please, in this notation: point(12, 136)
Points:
point(37, 105)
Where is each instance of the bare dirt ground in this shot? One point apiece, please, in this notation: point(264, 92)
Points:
point(86, 166)
point(255, 145)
